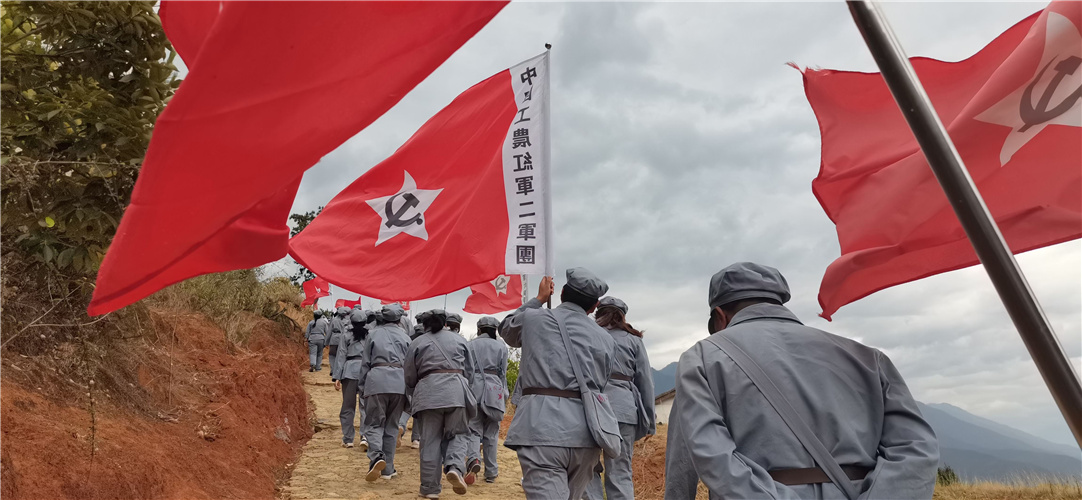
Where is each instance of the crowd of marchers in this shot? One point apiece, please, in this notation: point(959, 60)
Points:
point(765, 407)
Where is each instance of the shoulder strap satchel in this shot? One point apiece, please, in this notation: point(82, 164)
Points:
point(788, 414)
point(600, 418)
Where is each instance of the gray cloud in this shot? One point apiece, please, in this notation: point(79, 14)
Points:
point(682, 142)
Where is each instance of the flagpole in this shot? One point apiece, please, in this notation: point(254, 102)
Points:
point(992, 250)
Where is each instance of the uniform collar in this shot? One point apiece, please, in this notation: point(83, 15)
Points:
point(764, 311)
point(572, 306)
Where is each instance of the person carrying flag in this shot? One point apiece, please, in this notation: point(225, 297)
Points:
point(438, 367)
point(769, 408)
point(555, 445)
point(631, 393)
point(490, 355)
point(384, 383)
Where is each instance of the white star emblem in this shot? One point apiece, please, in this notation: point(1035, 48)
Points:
point(500, 283)
point(404, 211)
point(1058, 74)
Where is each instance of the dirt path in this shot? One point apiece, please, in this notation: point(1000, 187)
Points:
point(327, 470)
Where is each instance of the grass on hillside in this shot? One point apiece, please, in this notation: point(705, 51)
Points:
point(1022, 490)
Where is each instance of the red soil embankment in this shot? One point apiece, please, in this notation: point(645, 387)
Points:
point(180, 413)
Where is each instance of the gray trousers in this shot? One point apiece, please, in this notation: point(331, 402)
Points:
point(332, 351)
point(315, 354)
point(483, 440)
point(415, 434)
point(618, 484)
point(381, 412)
point(555, 473)
point(351, 401)
point(440, 449)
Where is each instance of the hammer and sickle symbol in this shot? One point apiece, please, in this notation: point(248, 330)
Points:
point(394, 217)
point(1034, 115)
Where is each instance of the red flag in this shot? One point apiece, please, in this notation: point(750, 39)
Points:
point(314, 289)
point(339, 303)
point(1013, 110)
point(501, 294)
point(405, 304)
point(350, 303)
point(463, 201)
point(265, 98)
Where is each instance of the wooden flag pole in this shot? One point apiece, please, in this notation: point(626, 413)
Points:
point(992, 250)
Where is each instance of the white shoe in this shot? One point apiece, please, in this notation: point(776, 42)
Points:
point(347, 445)
point(431, 495)
point(457, 484)
point(375, 470)
point(416, 445)
point(363, 445)
point(388, 476)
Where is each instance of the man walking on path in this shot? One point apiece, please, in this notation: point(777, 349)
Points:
point(316, 334)
point(439, 367)
point(383, 378)
point(555, 446)
point(490, 354)
point(850, 399)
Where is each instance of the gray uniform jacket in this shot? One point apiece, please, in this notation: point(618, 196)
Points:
point(348, 368)
point(438, 390)
point(542, 420)
point(338, 327)
point(858, 404)
point(384, 344)
point(318, 330)
point(633, 402)
point(490, 357)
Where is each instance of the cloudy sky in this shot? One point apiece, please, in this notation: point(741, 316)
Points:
point(682, 143)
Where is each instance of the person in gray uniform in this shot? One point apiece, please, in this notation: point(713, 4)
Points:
point(631, 393)
point(339, 328)
point(438, 368)
point(454, 322)
point(490, 356)
point(555, 446)
point(384, 383)
point(418, 330)
point(346, 373)
point(854, 404)
point(316, 334)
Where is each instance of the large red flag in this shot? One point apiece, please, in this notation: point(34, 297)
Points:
point(1013, 110)
point(463, 201)
point(314, 289)
point(265, 98)
point(501, 294)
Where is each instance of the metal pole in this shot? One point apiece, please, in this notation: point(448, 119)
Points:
point(980, 227)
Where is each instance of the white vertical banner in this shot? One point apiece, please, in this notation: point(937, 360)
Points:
point(527, 183)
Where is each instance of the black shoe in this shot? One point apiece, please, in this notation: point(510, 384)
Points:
point(310, 370)
point(375, 469)
point(471, 471)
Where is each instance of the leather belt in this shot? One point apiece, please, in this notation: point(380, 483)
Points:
point(430, 372)
point(353, 357)
point(559, 393)
point(815, 475)
point(619, 376)
point(493, 372)
point(392, 365)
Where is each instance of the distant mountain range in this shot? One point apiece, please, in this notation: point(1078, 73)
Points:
point(975, 447)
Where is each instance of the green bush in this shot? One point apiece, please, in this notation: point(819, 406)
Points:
point(946, 476)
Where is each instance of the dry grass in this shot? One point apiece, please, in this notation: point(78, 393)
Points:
point(1020, 490)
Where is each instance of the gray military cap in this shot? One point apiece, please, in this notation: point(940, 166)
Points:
point(418, 329)
point(391, 313)
point(357, 306)
point(454, 318)
point(747, 280)
point(611, 301)
point(488, 321)
point(359, 316)
point(398, 307)
point(317, 314)
point(343, 311)
point(585, 282)
point(439, 313)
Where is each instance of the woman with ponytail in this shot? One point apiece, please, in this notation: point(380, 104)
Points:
point(346, 373)
point(631, 393)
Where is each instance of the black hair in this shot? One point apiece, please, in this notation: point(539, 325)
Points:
point(359, 331)
point(487, 330)
point(571, 295)
point(732, 308)
point(434, 323)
